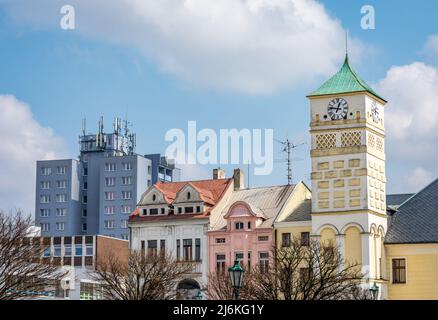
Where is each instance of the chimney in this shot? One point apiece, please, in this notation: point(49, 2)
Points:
point(239, 179)
point(218, 174)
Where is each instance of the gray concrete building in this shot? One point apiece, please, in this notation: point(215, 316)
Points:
point(96, 193)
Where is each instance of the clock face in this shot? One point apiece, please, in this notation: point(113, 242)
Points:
point(337, 109)
point(375, 112)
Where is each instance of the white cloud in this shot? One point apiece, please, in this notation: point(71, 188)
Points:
point(431, 47)
point(417, 179)
point(411, 124)
point(23, 142)
point(251, 46)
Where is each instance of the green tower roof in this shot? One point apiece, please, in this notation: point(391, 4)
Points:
point(344, 81)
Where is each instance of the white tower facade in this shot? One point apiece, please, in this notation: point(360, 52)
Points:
point(348, 171)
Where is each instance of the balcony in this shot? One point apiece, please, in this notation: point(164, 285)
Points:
point(196, 266)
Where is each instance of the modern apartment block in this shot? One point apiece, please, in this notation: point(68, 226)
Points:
point(96, 193)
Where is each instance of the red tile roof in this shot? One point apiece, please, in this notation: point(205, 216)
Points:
point(210, 191)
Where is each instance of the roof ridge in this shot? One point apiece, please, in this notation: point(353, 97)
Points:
point(416, 194)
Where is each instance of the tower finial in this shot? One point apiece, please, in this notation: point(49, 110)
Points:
point(346, 43)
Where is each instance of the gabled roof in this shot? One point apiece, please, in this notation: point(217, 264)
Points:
point(301, 213)
point(265, 202)
point(416, 220)
point(210, 192)
point(346, 80)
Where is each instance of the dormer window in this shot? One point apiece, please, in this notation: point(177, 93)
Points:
point(238, 225)
point(188, 195)
point(249, 225)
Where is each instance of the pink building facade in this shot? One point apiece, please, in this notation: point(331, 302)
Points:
point(244, 238)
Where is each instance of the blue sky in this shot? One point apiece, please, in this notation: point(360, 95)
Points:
point(64, 76)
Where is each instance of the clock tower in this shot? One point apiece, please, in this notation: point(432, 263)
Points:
point(348, 170)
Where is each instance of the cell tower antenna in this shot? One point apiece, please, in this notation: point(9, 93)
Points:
point(288, 146)
point(84, 126)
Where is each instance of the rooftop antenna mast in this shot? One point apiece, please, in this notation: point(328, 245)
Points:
point(288, 146)
point(84, 126)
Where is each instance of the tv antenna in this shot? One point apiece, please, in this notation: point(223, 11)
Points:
point(288, 146)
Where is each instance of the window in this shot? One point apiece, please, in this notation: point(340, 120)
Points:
point(109, 224)
point(249, 261)
point(285, 239)
point(61, 212)
point(126, 195)
point(188, 195)
point(61, 169)
point(152, 247)
point(89, 250)
point(127, 166)
point(188, 210)
point(264, 261)
point(220, 240)
point(84, 212)
point(85, 172)
point(46, 171)
point(61, 198)
point(178, 249)
point(90, 291)
point(61, 184)
point(85, 185)
point(44, 213)
point(187, 250)
point(44, 198)
point(84, 227)
point(110, 167)
point(126, 180)
point(154, 197)
point(57, 250)
point(198, 249)
point(45, 184)
point(249, 225)
point(125, 236)
point(179, 210)
point(198, 209)
point(67, 250)
point(304, 274)
point(263, 238)
point(239, 257)
point(220, 263)
point(109, 210)
point(45, 226)
point(305, 239)
point(47, 252)
point(124, 224)
point(60, 226)
point(78, 250)
point(84, 199)
point(126, 209)
point(163, 211)
point(110, 181)
point(163, 246)
point(109, 196)
point(398, 270)
point(153, 212)
point(238, 225)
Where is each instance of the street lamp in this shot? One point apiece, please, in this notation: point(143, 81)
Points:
point(199, 295)
point(374, 291)
point(236, 276)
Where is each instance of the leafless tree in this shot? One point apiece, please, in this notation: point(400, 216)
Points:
point(22, 271)
point(297, 272)
point(140, 276)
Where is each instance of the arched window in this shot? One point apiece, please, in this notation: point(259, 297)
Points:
point(238, 226)
point(154, 197)
point(188, 195)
